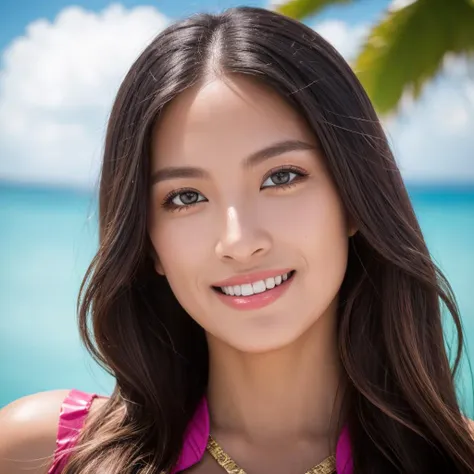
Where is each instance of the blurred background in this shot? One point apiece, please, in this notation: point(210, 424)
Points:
point(60, 67)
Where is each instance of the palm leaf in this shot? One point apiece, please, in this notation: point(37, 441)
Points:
point(407, 48)
point(301, 8)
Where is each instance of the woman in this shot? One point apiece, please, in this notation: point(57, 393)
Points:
point(262, 287)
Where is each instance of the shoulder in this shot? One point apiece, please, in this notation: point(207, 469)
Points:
point(28, 428)
point(28, 432)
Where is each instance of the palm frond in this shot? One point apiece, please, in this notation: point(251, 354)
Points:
point(300, 9)
point(407, 48)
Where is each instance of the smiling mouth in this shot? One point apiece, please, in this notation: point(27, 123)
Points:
point(255, 288)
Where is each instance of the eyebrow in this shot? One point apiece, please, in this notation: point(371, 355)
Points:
point(279, 148)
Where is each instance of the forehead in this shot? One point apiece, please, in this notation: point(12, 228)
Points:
point(231, 117)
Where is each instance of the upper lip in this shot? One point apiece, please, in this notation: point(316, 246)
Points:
point(252, 277)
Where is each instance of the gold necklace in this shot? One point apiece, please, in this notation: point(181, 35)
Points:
point(328, 466)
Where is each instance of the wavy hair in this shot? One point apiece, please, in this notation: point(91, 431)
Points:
point(400, 404)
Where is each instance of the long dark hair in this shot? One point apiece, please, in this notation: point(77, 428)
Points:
point(400, 404)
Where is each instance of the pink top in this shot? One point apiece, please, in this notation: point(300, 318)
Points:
point(76, 406)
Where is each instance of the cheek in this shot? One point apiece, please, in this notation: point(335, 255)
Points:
point(315, 227)
point(181, 243)
point(312, 221)
point(180, 259)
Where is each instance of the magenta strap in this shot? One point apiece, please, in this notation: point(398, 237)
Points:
point(72, 417)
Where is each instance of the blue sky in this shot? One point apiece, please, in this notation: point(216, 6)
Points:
point(19, 15)
point(61, 64)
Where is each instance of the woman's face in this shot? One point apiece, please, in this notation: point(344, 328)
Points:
point(245, 220)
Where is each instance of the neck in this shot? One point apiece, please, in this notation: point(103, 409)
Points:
point(289, 393)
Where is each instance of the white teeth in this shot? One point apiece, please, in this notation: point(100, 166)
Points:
point(255, 288)
point(259, 286)
point(270, 283)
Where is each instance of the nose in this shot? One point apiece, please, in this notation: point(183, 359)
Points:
point(243, 239)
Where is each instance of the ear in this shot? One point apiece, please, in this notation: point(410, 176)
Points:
point(351, 227)
point(156, 260)
point(159, 267)
point(352, 230)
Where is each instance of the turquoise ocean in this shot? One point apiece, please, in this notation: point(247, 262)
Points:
point(48, 237)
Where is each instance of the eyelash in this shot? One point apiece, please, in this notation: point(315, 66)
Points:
point(300, 175)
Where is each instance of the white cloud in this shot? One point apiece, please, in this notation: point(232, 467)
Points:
point(346, 39)
point(433, 137)
point(399, 4)
point(58, 81)
point(274, 4)
point(57, 85)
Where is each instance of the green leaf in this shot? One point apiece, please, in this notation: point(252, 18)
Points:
point(300, 9)
point(407, 48)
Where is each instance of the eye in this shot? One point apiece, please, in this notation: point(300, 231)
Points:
point(283, 177)
point(187, 198)
point(182, 199)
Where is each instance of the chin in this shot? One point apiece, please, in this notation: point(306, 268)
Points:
point(267, 340)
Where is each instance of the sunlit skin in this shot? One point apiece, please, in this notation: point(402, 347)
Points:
point(274, 370)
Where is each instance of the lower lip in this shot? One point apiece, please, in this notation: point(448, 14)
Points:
point(258, 300)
